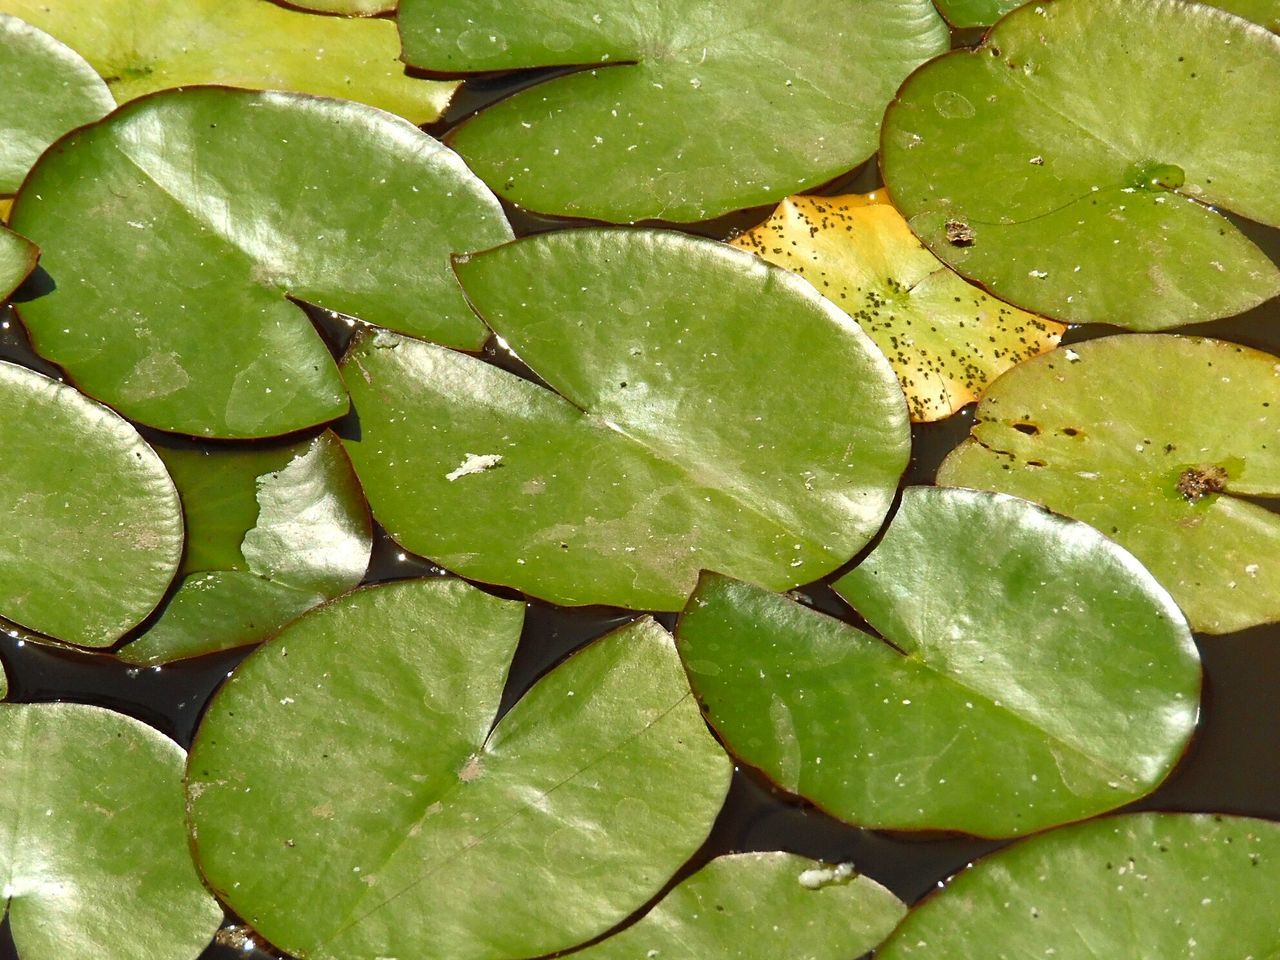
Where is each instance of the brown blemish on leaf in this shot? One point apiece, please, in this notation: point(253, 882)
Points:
point(1196, 483)
point(471, 770)
point(959, 233)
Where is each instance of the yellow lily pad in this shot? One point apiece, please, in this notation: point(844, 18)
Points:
point(945, 338)
point(141, 46)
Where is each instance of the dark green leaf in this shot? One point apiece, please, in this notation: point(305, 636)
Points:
point(761, 905)
point(186, 222)
point(94, 855)
point(351, 798)
point(1083, 205)
point(93, 529)
point(48, 90)
point(1162, 885)
point(1037, 674)
point(696, 108)
point(271, 531)
point(1155, 440)
point(141, 46)
point(674, 443)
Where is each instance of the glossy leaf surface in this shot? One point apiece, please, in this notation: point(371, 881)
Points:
point(93, 529)
point(1040, 674)
point(1164, 885)
point(271, 531)
point(983, 13)
point(95, 855)
point(945, 338)
point(671, 444)
point(48, 90)
point(760, 905)
point(794, 98)
point(1018, 165)
point(1167, 479)
point(141, 46)
point(17, 259)
point(185, 223)
point(350, 800)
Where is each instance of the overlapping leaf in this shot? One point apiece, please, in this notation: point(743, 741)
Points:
point(945, 338)
point(358, 8)
point(93, 529)
point(48, 90)
point(141, 46)
point(271, 532)
point(1143, 885)
point(185, 223)
point(351, 798)
point(1034, 674)
point(1019, 165)
point(94, 856)
point(983, 13)
point(692, 109)
point(18, 258)
point(1158, 441)
point(764, 905)
point(671, 443)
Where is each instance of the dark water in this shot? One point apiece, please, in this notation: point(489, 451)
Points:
point(1233, 765)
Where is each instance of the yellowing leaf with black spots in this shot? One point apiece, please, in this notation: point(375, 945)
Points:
point(946, 339)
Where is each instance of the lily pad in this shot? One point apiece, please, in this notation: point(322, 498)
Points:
point(18, 258)
point(1034, 673)
point(983, 13)
point(351, 8)
point(93, 529)
point(761, 905)
point(1165, 885)
point(271, 532)
point(351, 797)
point(95, 857)
point(1163, 470)
point(945, 338)
point(1018, 165)
point(185, 223)
point(48, 90)
point(141, 46)
point(794, 99)
point(671, 443)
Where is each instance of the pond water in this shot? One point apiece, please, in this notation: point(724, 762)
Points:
point(1232, 766)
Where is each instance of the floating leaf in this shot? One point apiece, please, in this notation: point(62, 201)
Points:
point(792, 98)
point(4, 681)
point(1034, 674)
point(761, 905)
point(48, 90)
point(672, 444)
point(271, 532)
point(350, 799)
point(93, 528)
point(355, 8)
point(141, 46)
point(18, 258)
point(95, 855)
point(1166, 477)
point(1019, 165)
point(1167, 885)
point(945, 339)
point(184, 225)
point(983, 13)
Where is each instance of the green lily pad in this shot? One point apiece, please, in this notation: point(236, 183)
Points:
point(983, 13)
point(1164, 885)
point(18, 258)
point(670, 443)
point(141, 46)
point(95, 854)
point(1018, 165)
point(93, 529)
point(271, 532)
point(1166, 477)
point(185, 223)
point(351, 797)
point(48, 90)
point(794, 99)
point(946, 339)
point(1034, 673)
point(761, 905)
point(351, 8)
